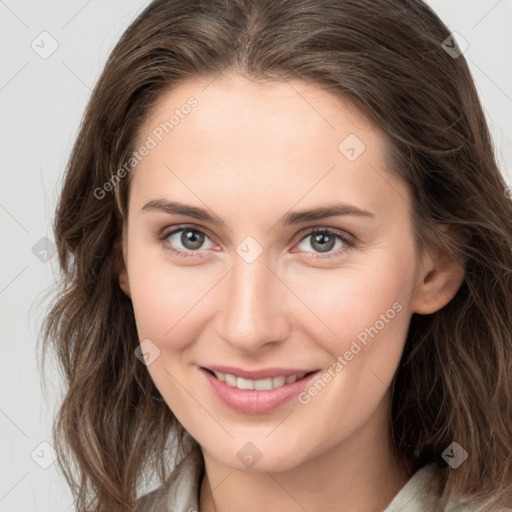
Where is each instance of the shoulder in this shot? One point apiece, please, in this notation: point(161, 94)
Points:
point(422, 494)
point(180, 492)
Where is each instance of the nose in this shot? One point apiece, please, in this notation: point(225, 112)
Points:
point(254, 308)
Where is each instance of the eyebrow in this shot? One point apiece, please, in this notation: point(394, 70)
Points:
point(291, 218)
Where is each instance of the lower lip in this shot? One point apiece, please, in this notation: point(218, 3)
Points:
point(252, 401)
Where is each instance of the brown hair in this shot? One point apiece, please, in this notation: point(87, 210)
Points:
point(385, 57)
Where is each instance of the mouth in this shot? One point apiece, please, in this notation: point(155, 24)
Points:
point(266, 384)
point(253, 397)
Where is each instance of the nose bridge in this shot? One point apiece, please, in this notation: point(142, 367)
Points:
point(252, 311)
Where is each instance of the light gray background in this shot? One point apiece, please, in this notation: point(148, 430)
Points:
point(42, 101)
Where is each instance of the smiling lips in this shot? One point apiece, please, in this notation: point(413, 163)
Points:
point(269, 389)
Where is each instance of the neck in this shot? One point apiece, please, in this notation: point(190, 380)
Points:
point(359, 473)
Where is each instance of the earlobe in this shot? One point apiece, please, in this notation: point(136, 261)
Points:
point(439, 282)
point(121, 270)
point(124, 282)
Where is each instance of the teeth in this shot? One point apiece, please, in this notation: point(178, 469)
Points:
point(263, 384)
point(229, 379)
point(277, 382)
point(259, 385)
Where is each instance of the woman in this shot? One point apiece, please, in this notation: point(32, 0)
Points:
point(226, 147)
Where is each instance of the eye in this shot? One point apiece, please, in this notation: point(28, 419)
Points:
point(324, 240)
point(188, 241)
point(190, 238)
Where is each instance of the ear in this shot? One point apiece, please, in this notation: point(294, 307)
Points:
point(439, 279)
point(120, 267)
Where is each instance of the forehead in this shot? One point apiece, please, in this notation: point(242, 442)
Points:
point(235, 111)
point(277, 142)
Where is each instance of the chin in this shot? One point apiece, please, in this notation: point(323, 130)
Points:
point(250, 458)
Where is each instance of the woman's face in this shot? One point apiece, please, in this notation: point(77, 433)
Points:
point(253, 288)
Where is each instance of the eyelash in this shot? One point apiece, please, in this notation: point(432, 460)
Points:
point(166, 233)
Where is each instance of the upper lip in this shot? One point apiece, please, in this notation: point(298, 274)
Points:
point(262, 373)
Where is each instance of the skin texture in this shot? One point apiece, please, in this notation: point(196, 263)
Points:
point(250, 153)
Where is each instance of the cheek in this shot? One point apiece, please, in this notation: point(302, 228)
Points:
point(166, 298)
point(368, 311)
point(350, 302)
